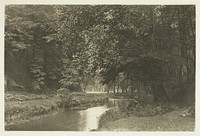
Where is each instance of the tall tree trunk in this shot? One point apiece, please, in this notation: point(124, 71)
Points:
point(132, 86)
point(114, 87)
point(118, 88)
point(158, 91)
point(33, 51)
point(180, 82)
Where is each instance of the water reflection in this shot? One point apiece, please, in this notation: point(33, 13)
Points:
point(92, 116)
point(116, 103)
point(66, 120)
point(61, 121)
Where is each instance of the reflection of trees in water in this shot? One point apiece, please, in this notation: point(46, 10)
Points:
point(93, 115)
point(118, 103)
point(63, 120)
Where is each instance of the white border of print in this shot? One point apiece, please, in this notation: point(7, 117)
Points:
point(83, 2)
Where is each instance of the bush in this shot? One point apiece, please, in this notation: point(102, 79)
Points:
point(137, 109)
point(63, 92)
point(189, 112)
point(149, 109)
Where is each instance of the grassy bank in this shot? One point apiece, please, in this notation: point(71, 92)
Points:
point(167, 122)
point(23, 106)
point(123, 95)
point(148, 117)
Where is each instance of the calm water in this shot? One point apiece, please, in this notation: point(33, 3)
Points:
point(68, 120)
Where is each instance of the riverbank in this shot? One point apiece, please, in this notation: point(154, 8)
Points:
point(24, 106)
point(148, 117)
point(167, 122)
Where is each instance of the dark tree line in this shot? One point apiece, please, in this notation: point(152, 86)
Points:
point(125, 47)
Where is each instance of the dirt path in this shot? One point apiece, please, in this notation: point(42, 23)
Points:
point(167, 122)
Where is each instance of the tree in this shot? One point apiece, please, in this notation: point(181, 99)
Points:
point(66, 46)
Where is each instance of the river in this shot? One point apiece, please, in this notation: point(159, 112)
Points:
point(68, 120)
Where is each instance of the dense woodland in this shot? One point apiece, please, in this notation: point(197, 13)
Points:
point(115, 48)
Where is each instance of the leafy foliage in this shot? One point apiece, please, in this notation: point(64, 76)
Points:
point(128, 47)
point(150, 109)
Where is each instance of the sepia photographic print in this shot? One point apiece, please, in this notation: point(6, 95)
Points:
point(98, 67)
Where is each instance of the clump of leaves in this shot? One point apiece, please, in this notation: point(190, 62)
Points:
point(23, 96)
point(38, 74)
point(149, 109)
point(63, 92)
point(189, 112)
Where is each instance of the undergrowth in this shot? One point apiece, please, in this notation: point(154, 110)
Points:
point(140, 109)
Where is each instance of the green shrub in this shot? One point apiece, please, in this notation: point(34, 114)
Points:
point(149, 109)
